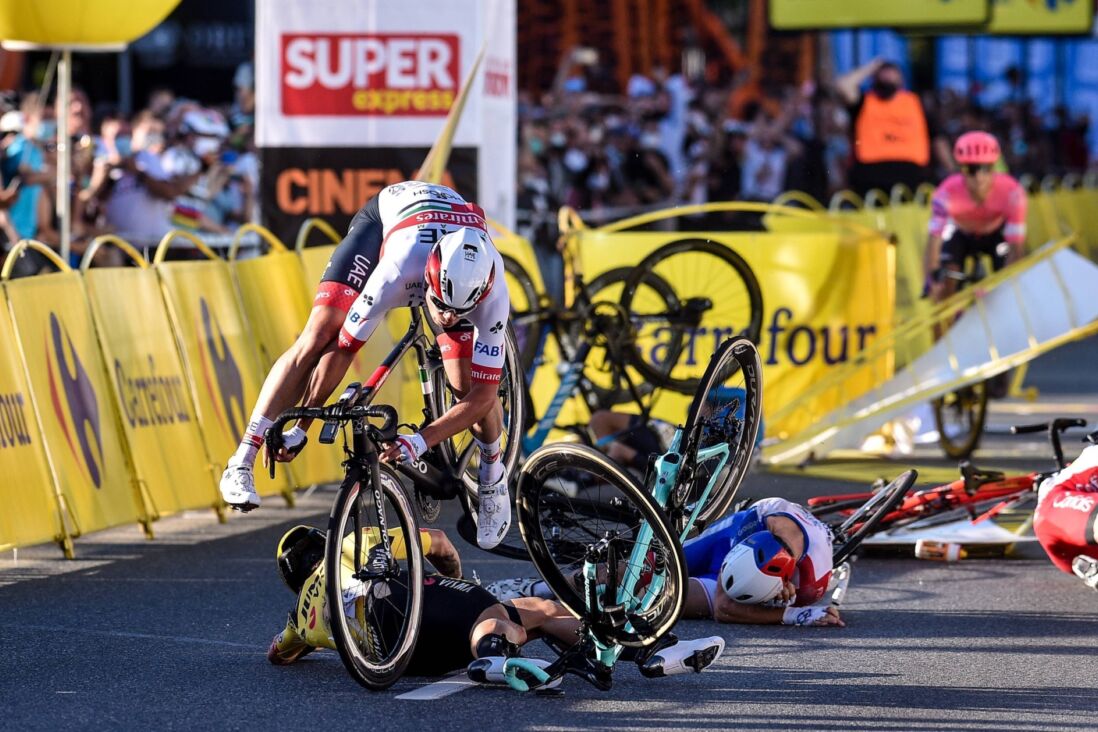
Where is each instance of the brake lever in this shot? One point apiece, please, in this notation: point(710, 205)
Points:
point(272, 443)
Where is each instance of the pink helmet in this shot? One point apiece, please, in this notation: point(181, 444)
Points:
point(976, 148)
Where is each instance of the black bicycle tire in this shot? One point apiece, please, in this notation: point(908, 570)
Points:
point(529, 350)
point(607, 398)
point(895, 492)
point(359, 667)
point(746, 355)
point(539, 466)
point(751, 284)
point(959, 449)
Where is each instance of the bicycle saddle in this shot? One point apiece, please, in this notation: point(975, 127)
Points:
point(974, 477)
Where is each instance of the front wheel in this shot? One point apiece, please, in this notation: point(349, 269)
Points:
point(726, 410)
point(576, 509)
point(373, 566)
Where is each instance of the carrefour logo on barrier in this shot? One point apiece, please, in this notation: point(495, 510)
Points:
point(151, 399)
point(221, 374)
point(797, 345)
point(71, 388)
point(371, 74)
point(13, 421)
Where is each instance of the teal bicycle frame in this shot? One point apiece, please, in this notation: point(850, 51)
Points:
point(666, 475)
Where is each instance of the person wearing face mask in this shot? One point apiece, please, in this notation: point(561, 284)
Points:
point(140, 203)
point(892, 138)
point(202, 134)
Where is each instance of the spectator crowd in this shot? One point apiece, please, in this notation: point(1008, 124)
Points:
point(664, 140)
point(174, 164)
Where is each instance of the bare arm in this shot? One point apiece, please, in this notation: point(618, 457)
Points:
point(726, 610)
point(471, 409)
point(168, 189)
point(848, 85)
point(932, 257)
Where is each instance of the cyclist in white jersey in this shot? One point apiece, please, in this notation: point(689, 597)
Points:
point(415, 243)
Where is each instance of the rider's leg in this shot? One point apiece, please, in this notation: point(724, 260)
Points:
point(344, 278)
point(489, 430)
point(545, 617)
point(282, 389)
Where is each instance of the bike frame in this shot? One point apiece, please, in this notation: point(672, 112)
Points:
point(668, 467)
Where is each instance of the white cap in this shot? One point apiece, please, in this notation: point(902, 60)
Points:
point(12, 121)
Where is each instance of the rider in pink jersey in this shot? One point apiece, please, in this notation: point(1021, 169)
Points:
point(973, 212)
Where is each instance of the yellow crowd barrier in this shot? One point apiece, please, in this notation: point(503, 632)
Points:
point(219, 352)
point(32, 503)
point(151, 393)
point(810, 322)
point(276, 305)
point(55, 337)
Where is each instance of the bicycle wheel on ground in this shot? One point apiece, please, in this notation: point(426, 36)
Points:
point(525, 310)
point(374, 596)
point(573, 500)
point(960, 416)
point(718, 296)
point(726, 410)
point(866, 519)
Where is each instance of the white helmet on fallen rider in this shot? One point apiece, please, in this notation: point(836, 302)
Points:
point(460, 270)
point(755, 569)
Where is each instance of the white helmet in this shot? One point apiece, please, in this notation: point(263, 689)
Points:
point(460, 270)
point(756, 568)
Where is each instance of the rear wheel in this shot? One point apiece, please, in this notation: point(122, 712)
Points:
point(717, 296)
point(960, 416)
point(574, 502)
point(462, 447)
point(525, 311)
point(374, 597)
point(727, 410)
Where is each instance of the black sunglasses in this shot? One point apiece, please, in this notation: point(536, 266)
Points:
point(443, 307)
point(971, 170)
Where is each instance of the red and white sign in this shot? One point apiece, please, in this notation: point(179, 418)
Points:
point(381, 74)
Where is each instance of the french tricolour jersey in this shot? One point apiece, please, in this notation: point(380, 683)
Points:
point(706, 552)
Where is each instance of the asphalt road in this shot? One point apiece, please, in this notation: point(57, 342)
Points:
point(172, 634)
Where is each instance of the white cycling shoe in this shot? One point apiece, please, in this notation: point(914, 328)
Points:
point(238, 488)
point(489, 670)
point(494, 514)
point(1086, 569)
point(682, 657)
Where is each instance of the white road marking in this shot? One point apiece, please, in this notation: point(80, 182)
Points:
point(123, 634)
point(450, 685)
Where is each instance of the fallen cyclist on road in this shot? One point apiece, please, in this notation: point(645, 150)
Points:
point(414, 243)
point(767, 564)
point(1066, 518)
point(461, 622)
